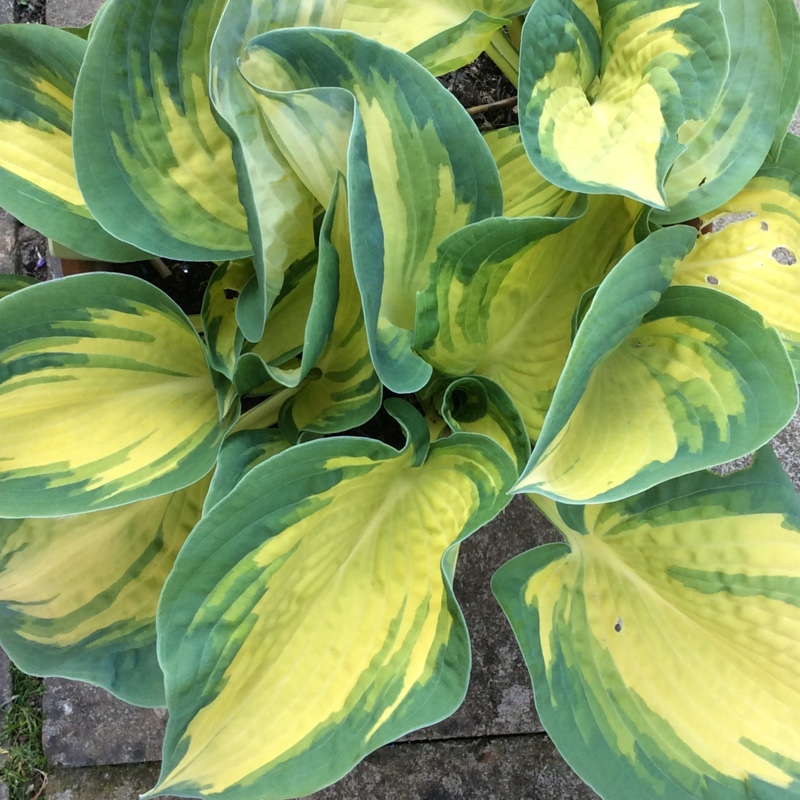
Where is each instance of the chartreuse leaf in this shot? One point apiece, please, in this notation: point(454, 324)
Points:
point(311, 617)
point(479, 405)
point(100, 629)
point(278, 206)
point(502, 295)
point(753, 256)
point(416, 166)
point(724, 150)
point(602, 111)
point(223, 336)
point(525, 192)
point(152, 162)
point(346, 391)
point(663, 639)
point(659, 382)
point(106, 397)
point(39, 66)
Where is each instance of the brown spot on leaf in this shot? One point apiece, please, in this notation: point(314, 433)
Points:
point(783, 255)
point(713, 280)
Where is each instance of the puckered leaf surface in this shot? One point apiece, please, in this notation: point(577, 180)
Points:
point(659, 382)
point(663, 639)
point(310, 616)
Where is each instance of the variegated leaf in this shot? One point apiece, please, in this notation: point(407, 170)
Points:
point(659, 382)
point(106, 397)
point(748, 248)
point(416, 171)
point(78, 594)
point(787, 18)
point(39, 66)
point(603, 111)
point(503, 292)
point(153, 164)
point(328, 608)
point(724, 150)
point(663, 639)
point(12, 283)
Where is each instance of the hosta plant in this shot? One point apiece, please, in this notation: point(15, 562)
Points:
point(253, 517)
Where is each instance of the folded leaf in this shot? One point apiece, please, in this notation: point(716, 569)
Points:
point(753, 255)
point(503, 292)
point(602, 111)
point(324, 625)
point(663, 639)
point(726, 149)
point(416, 167)
point(101, 628)
point(106, 397)
point(153, 164)
point(38, 186)
point(659, 382)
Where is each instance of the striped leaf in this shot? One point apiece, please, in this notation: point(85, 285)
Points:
point(78, 594)
point(106, 397)
point(324, 625)
point(663, 639)
point(525, 192)
point(659, 382)
point(39, 66)
point(153, 164)
point(726, 149)
point(502, 296)
point(345, 391)
point(416, 166)
point(603, 111)
point(753, 255)
point(222, 334)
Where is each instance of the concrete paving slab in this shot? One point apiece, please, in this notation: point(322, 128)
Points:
point(85, 726)
point(508, 768)
point(71, 13)
point(8, 238)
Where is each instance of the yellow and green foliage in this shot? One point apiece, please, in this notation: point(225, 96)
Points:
point(591, 309)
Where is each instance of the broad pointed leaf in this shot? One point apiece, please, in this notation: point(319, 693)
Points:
point(106, 397)
point(787, 18)
point(663, 639)
point(416, 166)
point(659, 382)
point(78, 594)
point(39, 66)
point(503, 292)
point(748, 248)
point(602, 111)
point(324, 625)
point(152, 162)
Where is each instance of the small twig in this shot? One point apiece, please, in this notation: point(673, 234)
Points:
point(160, 267)
point(42, 787)
point(508, 101)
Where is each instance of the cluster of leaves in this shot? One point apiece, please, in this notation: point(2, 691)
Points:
point(284, 587)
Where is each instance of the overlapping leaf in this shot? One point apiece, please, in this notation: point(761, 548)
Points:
point(664, 639)
point(659, 382)
point(101, 628)
point(38, 69)
point(328, 609)
point(503, 293)
point(106, 397)
point(748, 248)
point(153, 164)
point(603, 110)
point(417, 168)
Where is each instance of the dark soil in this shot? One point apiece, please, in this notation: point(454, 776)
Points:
point(29, 11)
point(479, 83)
